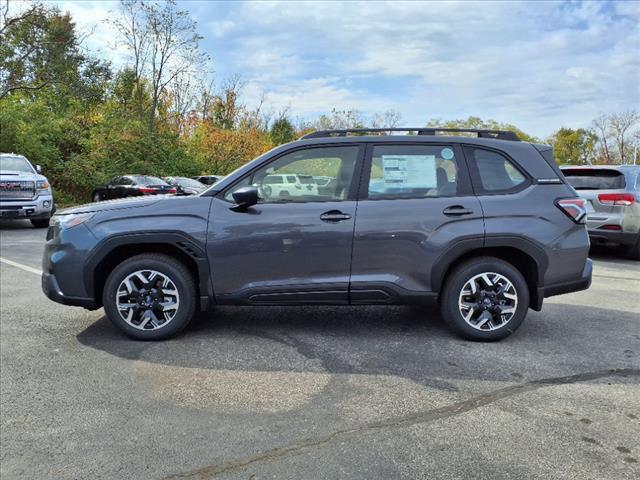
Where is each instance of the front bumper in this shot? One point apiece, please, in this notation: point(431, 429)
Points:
point(52, 290)
point(63, 260)
point(40, 207)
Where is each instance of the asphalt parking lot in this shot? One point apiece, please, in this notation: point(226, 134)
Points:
point(318, 392)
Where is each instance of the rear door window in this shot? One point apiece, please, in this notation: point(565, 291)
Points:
point(595, 179)
point(412, 171)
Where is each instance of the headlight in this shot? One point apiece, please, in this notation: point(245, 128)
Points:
point(43, 186)
point(70, 220)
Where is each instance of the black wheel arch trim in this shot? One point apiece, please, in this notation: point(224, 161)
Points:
point(462, 247)
point(180, 240)
point(525, 245)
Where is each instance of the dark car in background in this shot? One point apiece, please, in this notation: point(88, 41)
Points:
point(132, 186)
point(612, 193)
point(186, 186)
point(208, 179)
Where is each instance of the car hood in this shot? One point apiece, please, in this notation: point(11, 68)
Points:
point(119, 204)
point(8, 175)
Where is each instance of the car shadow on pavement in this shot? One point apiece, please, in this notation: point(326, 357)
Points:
point(16, 225)
point(408, 342)
point(611, 254)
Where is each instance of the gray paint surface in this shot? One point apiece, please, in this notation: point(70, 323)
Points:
point(285, 254)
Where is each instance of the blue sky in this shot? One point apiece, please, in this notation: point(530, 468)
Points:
point(538, 64)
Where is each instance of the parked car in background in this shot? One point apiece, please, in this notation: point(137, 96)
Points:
point(132, 186)
point(24, 192)
point(612, 193)
point(487, 226)
point(186, 186)
point(208, 179)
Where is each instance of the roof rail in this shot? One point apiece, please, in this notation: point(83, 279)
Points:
point(497, 134)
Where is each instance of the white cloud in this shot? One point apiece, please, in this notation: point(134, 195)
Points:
point(536, 64)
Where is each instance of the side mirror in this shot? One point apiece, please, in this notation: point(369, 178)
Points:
point(245, 197)
point(38, 169)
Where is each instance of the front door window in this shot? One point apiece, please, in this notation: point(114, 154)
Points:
point(321, 174)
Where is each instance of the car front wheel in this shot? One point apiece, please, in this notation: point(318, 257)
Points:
point(485, 299)
point(150, 297)
point(40, 222)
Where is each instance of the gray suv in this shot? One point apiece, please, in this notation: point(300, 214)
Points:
point(24, 192)
point(486, 225)
point(612, 193)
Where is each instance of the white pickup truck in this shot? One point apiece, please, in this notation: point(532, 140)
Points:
point(24, 192)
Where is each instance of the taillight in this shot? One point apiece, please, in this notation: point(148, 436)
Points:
point(617, 199)
point(610, 227)
point(146, 190)
point(574, 208)
point(172, 190)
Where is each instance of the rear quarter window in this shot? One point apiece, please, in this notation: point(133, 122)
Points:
point(595, 179)
point(495, 172)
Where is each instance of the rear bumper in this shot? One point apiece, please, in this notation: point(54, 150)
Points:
point(52, 290)
point(582, 283)
point(598, 236)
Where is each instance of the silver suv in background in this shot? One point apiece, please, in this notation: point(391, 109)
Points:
point(24, 192)
point(612, 193)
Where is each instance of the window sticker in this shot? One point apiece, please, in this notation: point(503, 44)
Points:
point(409, 171)
point(446, 153)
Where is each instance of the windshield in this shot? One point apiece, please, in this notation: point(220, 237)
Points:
point(17, 164)
point(148, 180)
point(188, 182)
point(595, 179)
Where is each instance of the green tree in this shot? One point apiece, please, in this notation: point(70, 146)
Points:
point(164, 47)
point(480, 124)
point(282, 131)
point(574, 147)
point(40, 49)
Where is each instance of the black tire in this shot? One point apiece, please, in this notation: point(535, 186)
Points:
point(633, 251)
point(456, 280)
point(167, 266)
point(40, 222)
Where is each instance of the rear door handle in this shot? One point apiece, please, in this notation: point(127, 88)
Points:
point(457, 210)
point(334, 216)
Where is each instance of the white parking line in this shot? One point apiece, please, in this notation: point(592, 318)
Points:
point(26, 268)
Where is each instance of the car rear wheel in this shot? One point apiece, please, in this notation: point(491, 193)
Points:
point(150, 297)
point(485, 299)
point(633, 251)
point(97, 197)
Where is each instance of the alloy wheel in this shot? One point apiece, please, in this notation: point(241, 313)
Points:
point(147, 299)
point(488, 301)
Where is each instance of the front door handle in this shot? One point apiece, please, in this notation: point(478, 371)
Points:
point(334, 216)
point(457, 210)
